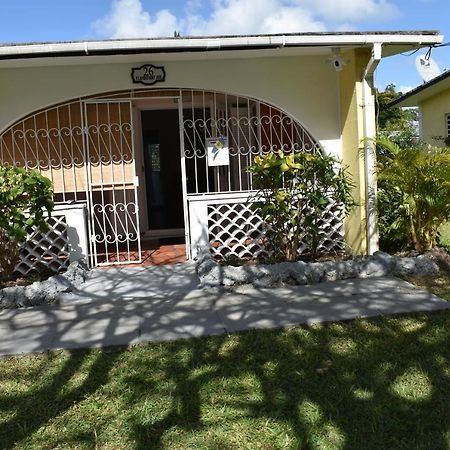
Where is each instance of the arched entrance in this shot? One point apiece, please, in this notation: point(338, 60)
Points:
point(158, 163)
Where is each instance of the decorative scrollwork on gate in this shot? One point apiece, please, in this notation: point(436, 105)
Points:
point(251, 127)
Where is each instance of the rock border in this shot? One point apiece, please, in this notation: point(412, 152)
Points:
point(212, 274)
point(47, 291)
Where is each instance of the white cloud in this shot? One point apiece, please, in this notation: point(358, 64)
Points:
point(353, 11)
point(253, 16)
point(128, 19)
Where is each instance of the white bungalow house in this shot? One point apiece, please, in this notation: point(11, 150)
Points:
point(151, 137)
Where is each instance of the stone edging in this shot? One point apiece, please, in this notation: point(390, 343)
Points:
point(212, 274)
point(44, 292)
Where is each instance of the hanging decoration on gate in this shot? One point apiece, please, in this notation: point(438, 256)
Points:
point(148, 74)
point(218, 152)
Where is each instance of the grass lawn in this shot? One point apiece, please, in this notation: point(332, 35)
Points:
point(366, 384)
point(444, 238)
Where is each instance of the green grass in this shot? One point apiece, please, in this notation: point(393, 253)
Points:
point(444, 238)
point(366, 384)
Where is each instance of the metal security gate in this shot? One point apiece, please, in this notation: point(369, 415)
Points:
point(86, 147)
point(112, 183)
point(219, 196)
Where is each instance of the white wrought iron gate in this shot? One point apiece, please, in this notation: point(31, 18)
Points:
point(114, 216)
point(86, 147)
point(219, 196)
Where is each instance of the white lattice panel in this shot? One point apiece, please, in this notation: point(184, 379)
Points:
point(49, 248)
point(235, 229)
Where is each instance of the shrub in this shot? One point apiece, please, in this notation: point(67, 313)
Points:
point(25, 200)
point(293, 193)
point(415, 187)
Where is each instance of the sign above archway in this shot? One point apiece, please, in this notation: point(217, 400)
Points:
point(148, 74)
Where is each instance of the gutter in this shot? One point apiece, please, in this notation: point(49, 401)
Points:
point(200, 44)
point(369, 133)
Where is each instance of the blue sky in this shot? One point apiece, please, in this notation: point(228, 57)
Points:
point(49, 20)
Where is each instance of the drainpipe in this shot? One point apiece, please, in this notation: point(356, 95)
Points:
point(369, 132)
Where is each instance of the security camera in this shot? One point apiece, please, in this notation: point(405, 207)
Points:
point(337, 63)
point(336, 60)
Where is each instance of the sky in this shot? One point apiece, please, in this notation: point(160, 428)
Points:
point(55, 20)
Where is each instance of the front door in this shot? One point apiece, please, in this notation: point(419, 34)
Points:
point(163, 172)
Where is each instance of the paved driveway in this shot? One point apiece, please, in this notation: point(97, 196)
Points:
point(138, 307)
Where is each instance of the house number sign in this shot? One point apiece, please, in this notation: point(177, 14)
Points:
point(148, 74)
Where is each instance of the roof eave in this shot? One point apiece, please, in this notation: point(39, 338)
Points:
point(201, 44)
point(412, 98)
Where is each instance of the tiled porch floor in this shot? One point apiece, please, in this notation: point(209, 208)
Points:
point(164, 254)
point(154, 253)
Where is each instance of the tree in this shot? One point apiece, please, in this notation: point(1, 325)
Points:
point(25, 202)
point(399, 125)
point(294, 191)
point(393, 118)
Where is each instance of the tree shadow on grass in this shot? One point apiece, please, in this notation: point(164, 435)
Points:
point(366, 384)
point(51, 398)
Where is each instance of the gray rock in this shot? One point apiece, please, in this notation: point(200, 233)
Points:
point(384, 258)
point(298, 272)
point(315, 272)
point(340, 270)
point(405, 266)
point(76, 272)
point(11, 296)
point(372, 266)
point(47, 291)
point(205, 266)
point(378, 265)
point(426, 266)
point(236, 275)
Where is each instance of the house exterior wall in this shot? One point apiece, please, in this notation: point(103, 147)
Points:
point(327, 103)
point(304, 87)
point(434, 111)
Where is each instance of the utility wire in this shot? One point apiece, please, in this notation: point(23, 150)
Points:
point(428, 53)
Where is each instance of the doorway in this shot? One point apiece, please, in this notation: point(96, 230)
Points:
point(161, 145)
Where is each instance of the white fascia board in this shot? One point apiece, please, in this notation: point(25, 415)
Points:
point(206, 43)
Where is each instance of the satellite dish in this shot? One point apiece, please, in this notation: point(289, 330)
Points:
point(427, 68)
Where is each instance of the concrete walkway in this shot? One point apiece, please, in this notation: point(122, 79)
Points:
point(121, 310)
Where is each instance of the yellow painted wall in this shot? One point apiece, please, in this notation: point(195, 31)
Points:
point(352, 135)
point(434, 123)
point(304, 87)
point(326, 102)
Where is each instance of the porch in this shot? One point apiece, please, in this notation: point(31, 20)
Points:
point(140, 165)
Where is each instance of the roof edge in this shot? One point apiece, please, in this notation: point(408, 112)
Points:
point(419, 89)
point(207, 43)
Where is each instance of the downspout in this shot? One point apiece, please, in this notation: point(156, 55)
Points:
point(369, 133)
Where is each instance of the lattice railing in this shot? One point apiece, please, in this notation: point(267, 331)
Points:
point(48, 248)
point(235, 229)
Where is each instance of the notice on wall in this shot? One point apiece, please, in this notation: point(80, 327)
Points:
point(218, 152)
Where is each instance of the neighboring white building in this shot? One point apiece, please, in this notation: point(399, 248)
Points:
point(123, 127)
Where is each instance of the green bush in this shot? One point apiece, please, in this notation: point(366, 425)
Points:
point(414, 193)
point(293, 193)
point(25, 202)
